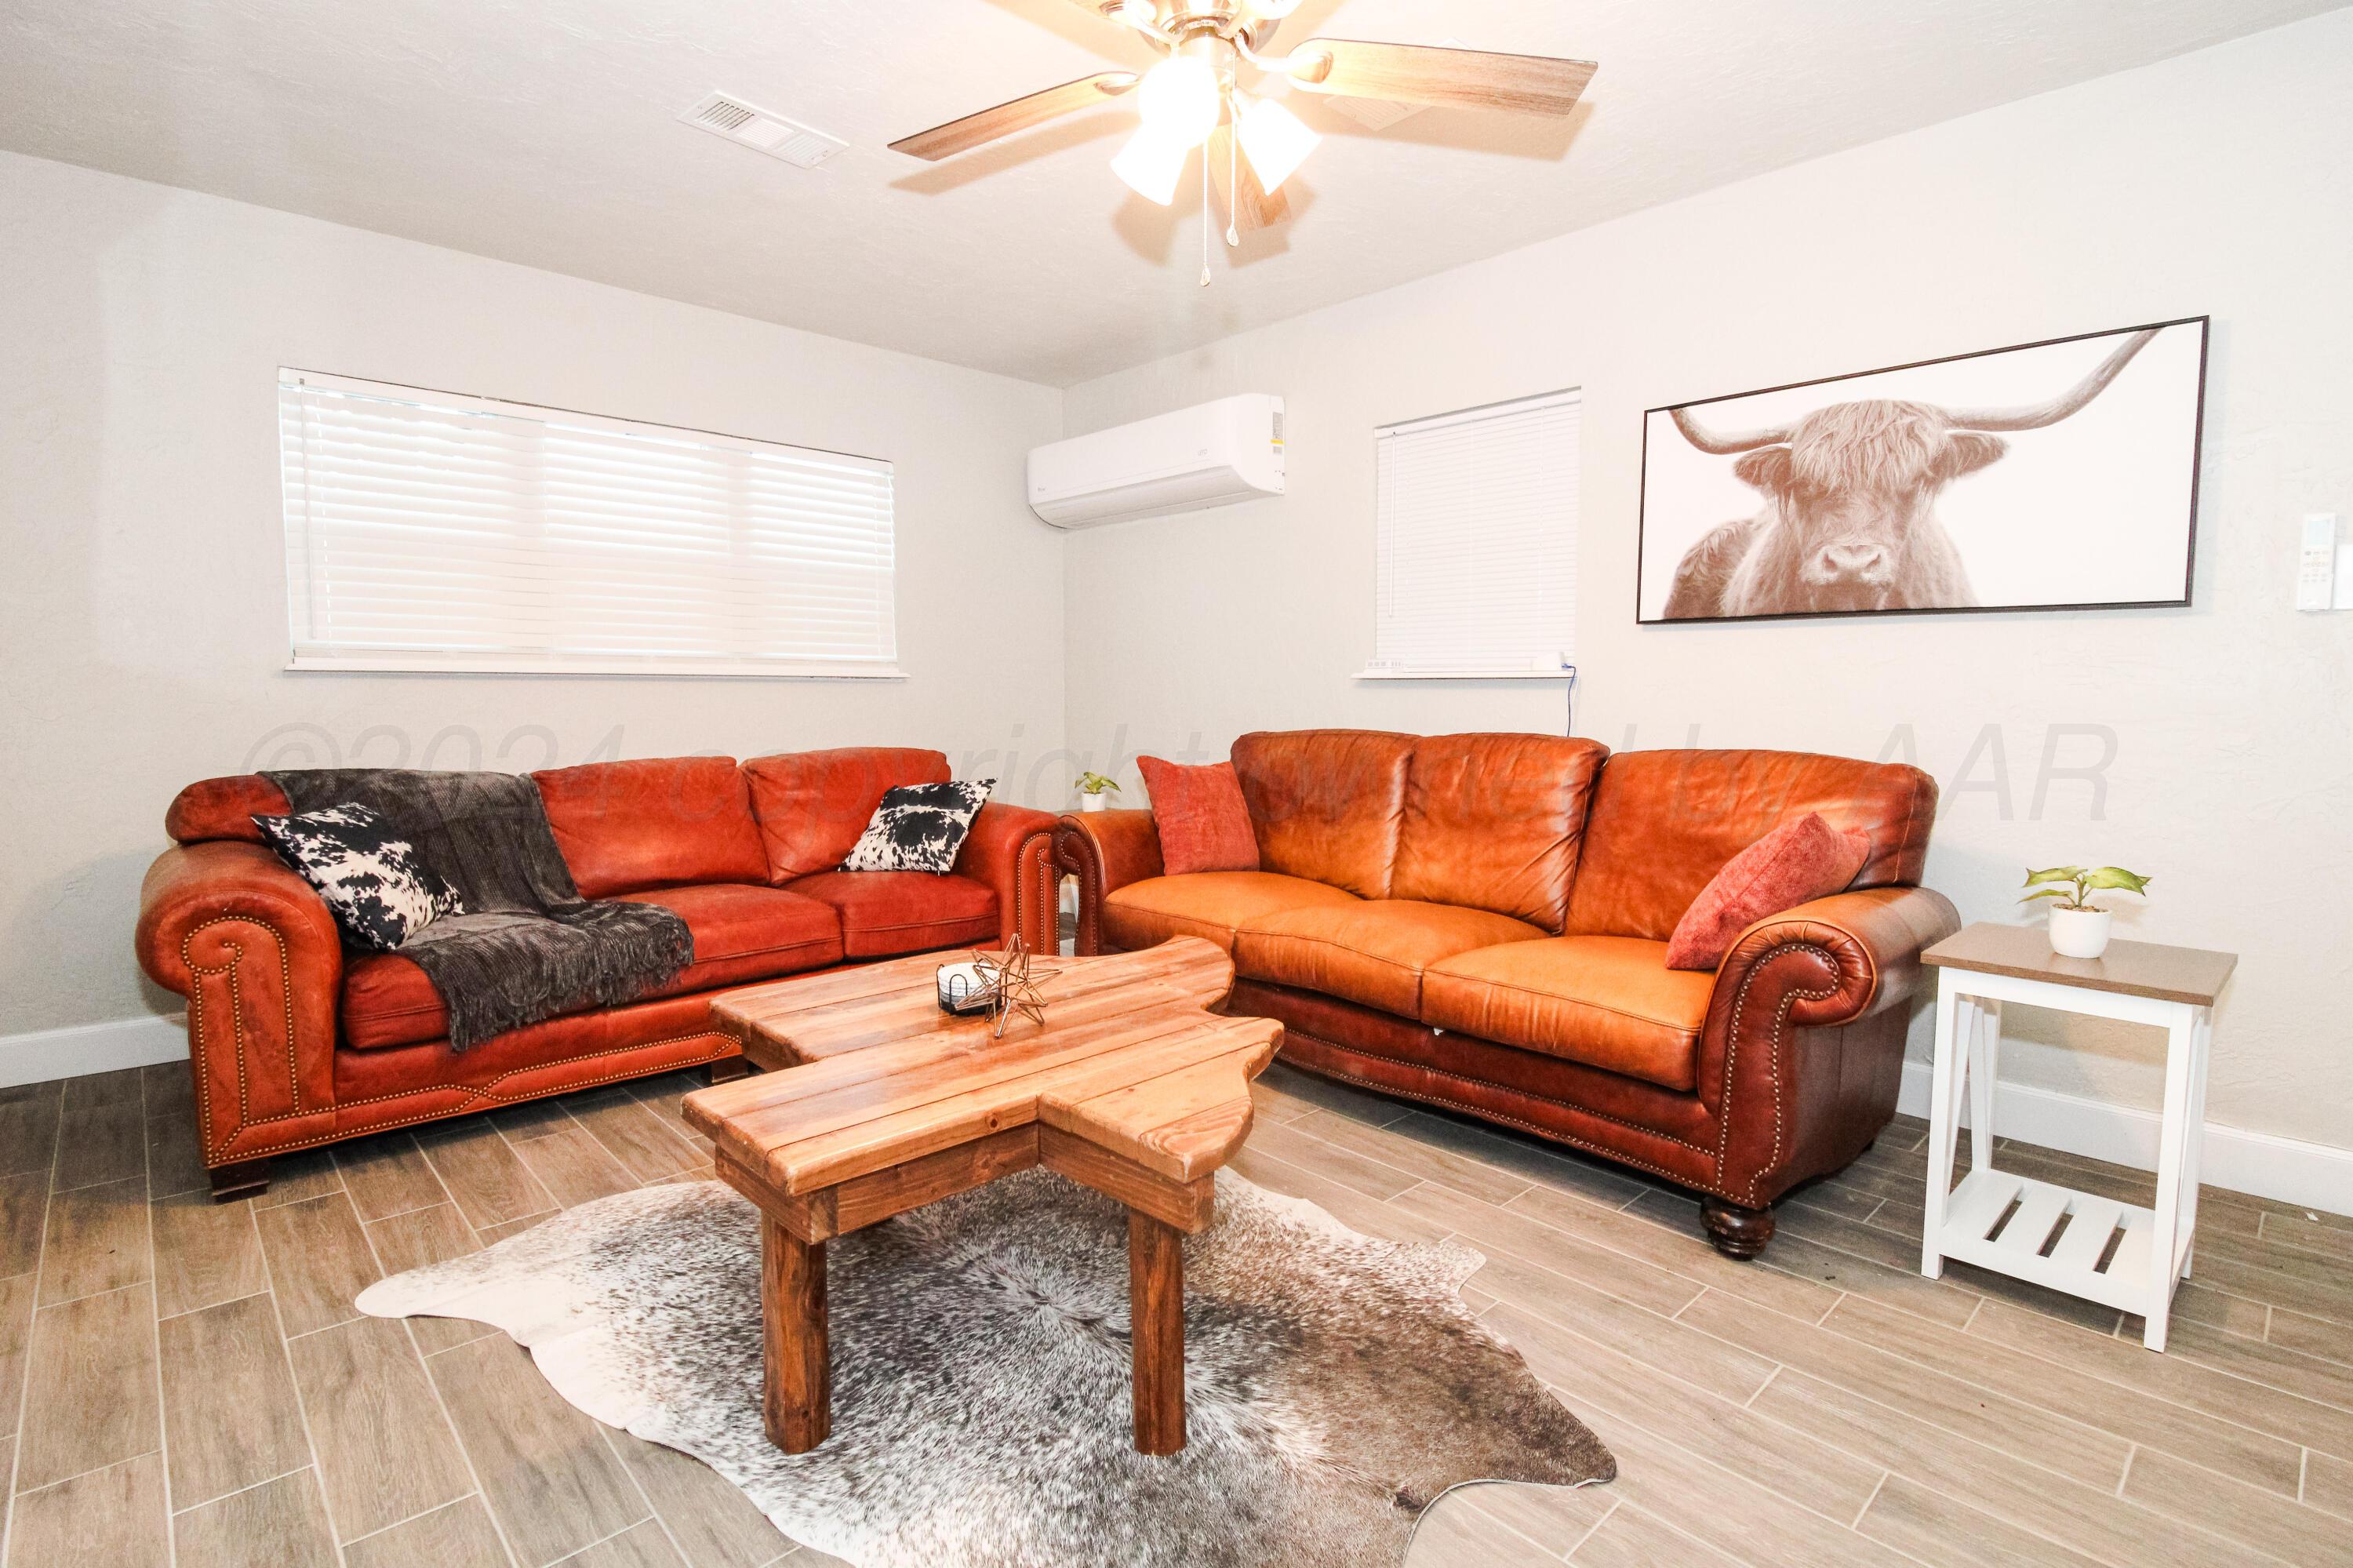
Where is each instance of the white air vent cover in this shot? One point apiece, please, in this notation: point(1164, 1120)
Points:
point(724, 114)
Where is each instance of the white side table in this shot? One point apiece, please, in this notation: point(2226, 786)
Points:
point(2119, 1255)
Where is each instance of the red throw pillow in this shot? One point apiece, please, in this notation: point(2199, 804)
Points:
point(1204, 824)
point(1800, 861)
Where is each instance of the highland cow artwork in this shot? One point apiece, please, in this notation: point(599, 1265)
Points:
point(2059, 475)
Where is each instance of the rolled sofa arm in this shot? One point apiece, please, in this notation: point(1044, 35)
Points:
point(1798, 1091)
point(1011, 848)
point(1862, 952)
point(254, 950)
point(1106, 851)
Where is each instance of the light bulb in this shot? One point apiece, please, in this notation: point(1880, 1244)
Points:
point(1276, 141)
point(1152, 163)
point(1182, 99)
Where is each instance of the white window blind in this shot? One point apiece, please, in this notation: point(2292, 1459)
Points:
point(429, 531)
point(1478, 543)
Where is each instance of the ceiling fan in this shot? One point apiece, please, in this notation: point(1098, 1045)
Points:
point(1195, 98)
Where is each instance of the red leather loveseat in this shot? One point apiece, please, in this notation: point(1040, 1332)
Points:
point(1481, 922)
point(295, 1042)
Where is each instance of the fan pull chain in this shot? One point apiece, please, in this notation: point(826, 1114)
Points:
point(1205, 219)
point(1233, 190)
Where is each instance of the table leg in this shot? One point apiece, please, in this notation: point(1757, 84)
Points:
point(2201, 1038)
point(1955, 1032)
point(1155, 1286)
point(796, 1394)
point(1985, 1060)
point(2173, 1159)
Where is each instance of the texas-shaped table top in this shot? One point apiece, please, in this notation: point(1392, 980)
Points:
point(876, 1103)
point(867, 1073)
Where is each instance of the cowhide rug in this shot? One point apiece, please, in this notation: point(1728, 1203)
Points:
point(1337, 1384)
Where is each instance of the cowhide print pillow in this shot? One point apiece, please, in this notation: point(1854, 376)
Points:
point(379, 891)
point(920, 827)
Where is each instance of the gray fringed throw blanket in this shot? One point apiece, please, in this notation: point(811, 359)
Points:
point(528, 948)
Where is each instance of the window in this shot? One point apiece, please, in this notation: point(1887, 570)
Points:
point(428, 530)
point(1478, 543)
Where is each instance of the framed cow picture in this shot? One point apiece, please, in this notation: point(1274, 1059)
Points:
point(2059, 475)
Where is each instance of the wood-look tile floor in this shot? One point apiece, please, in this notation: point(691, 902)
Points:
point(185, 1383)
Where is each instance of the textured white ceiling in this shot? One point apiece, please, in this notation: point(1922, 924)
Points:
point(542, 131)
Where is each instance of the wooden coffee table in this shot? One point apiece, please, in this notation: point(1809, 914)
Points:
point(876, 1102)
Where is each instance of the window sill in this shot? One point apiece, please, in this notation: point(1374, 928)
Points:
point(1564, 674)
point(685, 669)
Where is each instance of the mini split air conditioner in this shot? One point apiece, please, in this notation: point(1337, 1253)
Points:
point(1214, 455)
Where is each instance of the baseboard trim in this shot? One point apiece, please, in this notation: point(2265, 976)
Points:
point(46, 1054)
point(2286, 1169)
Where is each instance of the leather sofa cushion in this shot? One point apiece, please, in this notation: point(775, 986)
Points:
point(1372, 952)
point(1664, 822)
point(740, 934)
point(1325, 803)
point(1606, 1001)
point(812, 805)
point(885, 913)
point(417, 1081)
point(1526, 1088)
point(677, 821)
point(1211, 903)
point(1493, 821)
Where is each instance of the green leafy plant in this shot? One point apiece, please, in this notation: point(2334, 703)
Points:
point(2072, 885)
point(1097, 784)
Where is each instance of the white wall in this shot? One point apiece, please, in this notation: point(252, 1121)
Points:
point(2213, 184)
point(144, 634)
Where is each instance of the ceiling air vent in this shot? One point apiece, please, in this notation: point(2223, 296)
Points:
point(1372, 113)
point(724, 114)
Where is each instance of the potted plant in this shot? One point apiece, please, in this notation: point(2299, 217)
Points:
point(2079, 928)
point(1094, 789)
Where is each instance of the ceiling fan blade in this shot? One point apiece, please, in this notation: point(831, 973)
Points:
point(1256, 207)
point(975, 130)
point(1462, 79)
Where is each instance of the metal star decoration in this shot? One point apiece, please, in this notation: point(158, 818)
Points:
point(1010, 986)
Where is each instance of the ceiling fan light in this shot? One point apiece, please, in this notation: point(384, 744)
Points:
point(1152, 163)
point(1182, 99)
point(1276, 141)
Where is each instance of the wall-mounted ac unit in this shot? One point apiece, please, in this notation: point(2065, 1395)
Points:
point(1214, 455)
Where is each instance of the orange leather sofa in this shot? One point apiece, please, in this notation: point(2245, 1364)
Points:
point(295, 1042)
point(1480, 922)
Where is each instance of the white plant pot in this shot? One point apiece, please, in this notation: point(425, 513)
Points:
point(1092, 802)
point(2079, 932)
